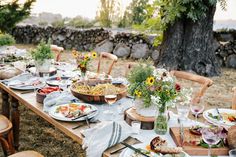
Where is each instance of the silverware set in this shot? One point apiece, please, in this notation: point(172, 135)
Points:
point(86, 122)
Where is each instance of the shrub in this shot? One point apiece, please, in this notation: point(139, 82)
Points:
point(81, 22)
point(58, 24)
point(6, 39)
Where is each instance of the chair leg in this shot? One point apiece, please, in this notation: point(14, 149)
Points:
point(7, 143)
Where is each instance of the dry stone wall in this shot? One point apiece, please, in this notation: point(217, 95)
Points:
point(124, 45)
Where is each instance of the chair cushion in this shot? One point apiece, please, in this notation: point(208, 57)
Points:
point(27, 154)
point(4, 123)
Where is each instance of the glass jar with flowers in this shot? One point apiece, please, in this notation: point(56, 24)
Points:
point(155, 87)
point(82, 60)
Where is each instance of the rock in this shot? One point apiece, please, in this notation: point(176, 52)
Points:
point(104, 46)
point(121, 50)
point(216, 44)
point(155, 55)
point(231, 61)
point(139, 51)
point(226, 37)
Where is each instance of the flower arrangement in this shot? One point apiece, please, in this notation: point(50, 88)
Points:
point(152, 85)
point(82, 59)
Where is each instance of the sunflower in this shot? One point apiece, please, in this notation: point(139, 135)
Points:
point(94, 54)
point(86, 57)
point(75, 53)
point(150, 80)
point(138, 93)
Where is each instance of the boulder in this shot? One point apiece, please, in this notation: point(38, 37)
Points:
point(104, 46)
point(140, 51)
point(155, 55)
point(231, 61)
point(121, 50)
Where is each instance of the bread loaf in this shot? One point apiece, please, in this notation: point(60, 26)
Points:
point(9, 72)
point(231, 138)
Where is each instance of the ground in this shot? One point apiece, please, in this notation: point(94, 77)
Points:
point(36, 134)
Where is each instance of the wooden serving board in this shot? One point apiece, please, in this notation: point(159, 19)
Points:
point(193, 149)
point(147, 123)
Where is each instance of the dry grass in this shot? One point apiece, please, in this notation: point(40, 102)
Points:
point(37, 134)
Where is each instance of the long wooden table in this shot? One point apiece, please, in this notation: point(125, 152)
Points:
point(10, 103)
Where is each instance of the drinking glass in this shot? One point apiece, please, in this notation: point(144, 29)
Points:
point(210, 137)
point(110, 98)
point(136, 125)
point(232, 153)
point(196, 109)
point(183, 111)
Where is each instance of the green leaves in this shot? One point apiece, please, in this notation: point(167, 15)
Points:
point(6, 39)
point(42, 52)
point(12, 12)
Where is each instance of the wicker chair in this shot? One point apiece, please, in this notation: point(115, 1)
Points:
point(234, 99)
point(27, 154)
point(57, 50)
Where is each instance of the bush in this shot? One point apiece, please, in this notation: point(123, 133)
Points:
point(6, 39)
point(81, 22)
point(58, 24)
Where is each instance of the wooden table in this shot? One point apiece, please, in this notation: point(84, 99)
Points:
point(10, 102)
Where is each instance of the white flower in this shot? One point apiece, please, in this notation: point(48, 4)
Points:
point(155, 99)
point(168, 79)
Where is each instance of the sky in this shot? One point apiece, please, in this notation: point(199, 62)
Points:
point(88, 8)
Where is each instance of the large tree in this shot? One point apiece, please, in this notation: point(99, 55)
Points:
point(187, 42)
point(12, 12)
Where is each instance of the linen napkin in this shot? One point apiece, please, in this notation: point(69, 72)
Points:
point(104, 135)
point(58, 98)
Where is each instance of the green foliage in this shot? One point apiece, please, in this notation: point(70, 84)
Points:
point(161, 14)
point(58, 24)
point(6, 39)
point(12, 12)
point(81, 22)
point(43, 23)
point(42, 52)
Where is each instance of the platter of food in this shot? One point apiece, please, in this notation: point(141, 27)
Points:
point(193, 144)
point(157, 148)
point(73, 112)
point(43, 92)
point(96, 93)
point(223, 117)
point(30, 84)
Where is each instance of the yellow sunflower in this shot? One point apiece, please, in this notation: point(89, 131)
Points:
point(86, 57)
point(94, 54)
point(138, 93)
point(75, 53)
point(150, 80)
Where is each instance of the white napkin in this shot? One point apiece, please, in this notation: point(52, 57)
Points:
point(58, 98)
point(104, 135)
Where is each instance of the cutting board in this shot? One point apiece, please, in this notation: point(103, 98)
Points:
point(192, 149)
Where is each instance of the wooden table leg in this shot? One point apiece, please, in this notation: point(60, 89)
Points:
point(15, 118)
point(5, 104)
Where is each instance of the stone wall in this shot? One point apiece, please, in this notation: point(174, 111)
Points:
point(68, 38)
point(128, 45)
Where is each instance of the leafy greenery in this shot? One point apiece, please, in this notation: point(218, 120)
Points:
point(161, 14)
point(108, 12)
point(81, 22)
point(6, 39)
point(58, 24)
point(42, 52)
point(12, 12)
point(219, 145)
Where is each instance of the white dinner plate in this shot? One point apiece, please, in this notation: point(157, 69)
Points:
point(61, 117)
point(128, 152)
point(219, 122)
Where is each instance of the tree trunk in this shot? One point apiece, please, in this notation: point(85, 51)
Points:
point(188, 45)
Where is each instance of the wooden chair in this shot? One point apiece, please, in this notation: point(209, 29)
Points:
point(6, 136)
point(27, 154)
point(57, 50)
point(234, 99)
point(109, 56)
point(203, 81)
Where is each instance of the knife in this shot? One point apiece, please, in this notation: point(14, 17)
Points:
point(135, 149)
point(217, 110)
point(181, 132)
point(84, 115)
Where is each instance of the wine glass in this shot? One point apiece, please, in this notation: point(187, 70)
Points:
point(210, 137)
point(183, 111)
point(196, 109)
point(110, 98)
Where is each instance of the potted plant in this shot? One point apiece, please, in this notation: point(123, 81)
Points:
point(42, 56)
point(155, 90)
